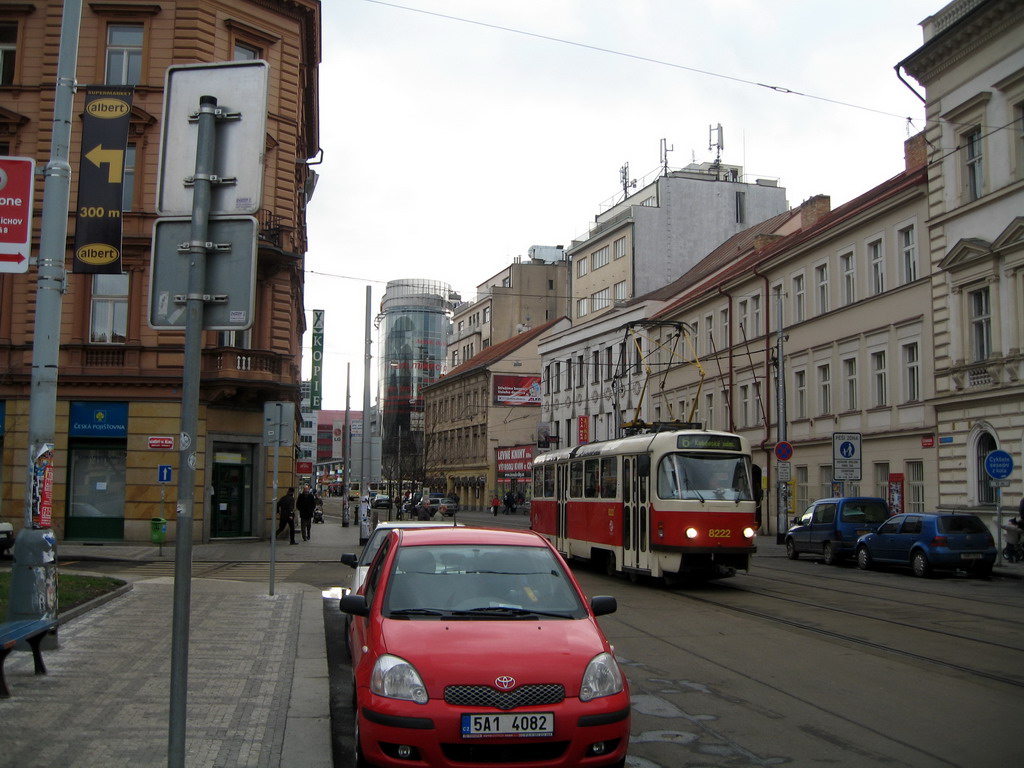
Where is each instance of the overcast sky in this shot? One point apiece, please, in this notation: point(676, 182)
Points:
point(458, 134)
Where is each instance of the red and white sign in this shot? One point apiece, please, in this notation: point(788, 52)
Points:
point(17, 177)
point(304, 467)
point(928, 441)
point(161, 443)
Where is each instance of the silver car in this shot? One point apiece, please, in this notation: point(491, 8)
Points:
point(361, 562)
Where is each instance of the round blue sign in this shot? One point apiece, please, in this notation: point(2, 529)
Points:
point(783, 451)
point(999, 465)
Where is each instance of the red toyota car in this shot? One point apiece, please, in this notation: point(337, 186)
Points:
point(475, 647)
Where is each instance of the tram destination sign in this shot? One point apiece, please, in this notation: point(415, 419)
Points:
point(709, 442)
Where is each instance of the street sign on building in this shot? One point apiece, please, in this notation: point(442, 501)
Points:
point(240, 88)
point(846, 457)
point(17, 186)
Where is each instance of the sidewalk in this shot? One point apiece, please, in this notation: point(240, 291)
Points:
point(258, 687)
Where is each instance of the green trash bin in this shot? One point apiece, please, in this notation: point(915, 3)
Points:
point(158, 530)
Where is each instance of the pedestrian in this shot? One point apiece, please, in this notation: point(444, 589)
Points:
point(510, 503)
point(423, 510)
point(306, 504)
point(1014, 534)
point(286, 515)
point(495, 503)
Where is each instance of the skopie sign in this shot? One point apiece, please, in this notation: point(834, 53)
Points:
point(17, 175)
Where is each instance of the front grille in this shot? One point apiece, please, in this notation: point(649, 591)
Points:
point(523, 696)
point(504, 754)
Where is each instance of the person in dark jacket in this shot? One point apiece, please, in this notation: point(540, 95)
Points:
point(286, 515)
point(306, 504)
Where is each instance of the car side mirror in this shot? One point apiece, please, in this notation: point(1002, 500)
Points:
point(354, 604)
point(350, 559)
point(602, 605)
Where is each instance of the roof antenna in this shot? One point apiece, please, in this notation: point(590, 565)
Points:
point(715, 141)
point(665, 149)
point(626, 181)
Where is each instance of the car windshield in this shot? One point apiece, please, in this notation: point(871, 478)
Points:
point(481, 581)
point(961, 524)
point(870, 512)
point(704, 476)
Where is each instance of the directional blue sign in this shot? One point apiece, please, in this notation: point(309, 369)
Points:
point(163, 473)
point(999, 465)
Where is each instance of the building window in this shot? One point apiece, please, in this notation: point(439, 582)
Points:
point(848, 267)
point(128, 184)
point(908, 247)
point(802, 490)
point(741, 207)
point(487, 314)
point(237, 339)
point(723, 317)
point(821, 281)
point(912, 367)
point(876, 261)
point(506, 282)
point(985, 445)
point(881, 472)
point(124, 54)
point(8, 51)
point(755, 315)
point(581, 307)
point(981, 325)
point(609, 366)
point(756, 418)
point(798, 299)
point(709, 330)
point(620, 291)
point(850, 391)
point(581, 371)
point(914, 492)
point(599, 258)
point(709, 410)
point(973, 172)
point(582, 264)
point(824, 389)
point(246, 52)
point(619, 248)
point(744, 405)
point(455, 358)
point(109, 323)
point(568, 374)
point(595, 367)
point(556, 377)
point(600, 300)
point(880, 386)
point(800, 394)
point(741, 310)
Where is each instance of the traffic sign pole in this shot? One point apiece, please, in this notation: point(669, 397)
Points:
point(999, 466)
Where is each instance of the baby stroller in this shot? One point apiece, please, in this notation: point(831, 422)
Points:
point(318, 511)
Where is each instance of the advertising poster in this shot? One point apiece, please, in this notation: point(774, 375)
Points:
point(516, 390)
point(42, 487)
point(515, 461)
point(895, 493)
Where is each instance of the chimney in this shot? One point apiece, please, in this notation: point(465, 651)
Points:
point(915, 152)
point(763, 241)
point(814, 208)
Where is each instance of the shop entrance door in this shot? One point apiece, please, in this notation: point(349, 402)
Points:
point(231, 515)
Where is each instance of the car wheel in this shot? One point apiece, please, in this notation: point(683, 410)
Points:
point(360, 760)
point(828, 553)
point(919, 562)
point(791, 552)
point(863, 558)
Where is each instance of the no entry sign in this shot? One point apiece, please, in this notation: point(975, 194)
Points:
point(16, 190)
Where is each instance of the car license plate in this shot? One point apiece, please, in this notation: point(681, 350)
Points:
point(970, 555)
point(479, 726)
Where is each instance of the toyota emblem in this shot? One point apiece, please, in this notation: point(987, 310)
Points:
point(505, 682)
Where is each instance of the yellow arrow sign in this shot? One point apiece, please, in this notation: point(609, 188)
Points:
point(113, 157)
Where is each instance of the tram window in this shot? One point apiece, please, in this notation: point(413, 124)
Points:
point(549, 482)
point(592, 472)
point(538, 481)
point(576, 479)
point(609, 479)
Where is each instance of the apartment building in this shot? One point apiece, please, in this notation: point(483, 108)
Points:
point(525, 294)
point(483, 419)
point(118, 404)
point(971, 66)
point(659, 232)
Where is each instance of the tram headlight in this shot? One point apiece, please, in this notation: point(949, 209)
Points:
point(691, 533)
point(749, 533)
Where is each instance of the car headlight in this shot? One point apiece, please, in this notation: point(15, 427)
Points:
point(602, 678)
point(397, 679)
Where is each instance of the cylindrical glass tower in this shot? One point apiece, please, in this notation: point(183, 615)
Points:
point(412, 337)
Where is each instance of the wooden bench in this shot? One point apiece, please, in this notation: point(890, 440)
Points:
point(31, 631)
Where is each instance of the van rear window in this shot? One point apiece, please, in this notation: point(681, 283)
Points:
point(865, 512)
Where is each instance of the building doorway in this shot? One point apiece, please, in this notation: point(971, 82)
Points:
point(231, 509)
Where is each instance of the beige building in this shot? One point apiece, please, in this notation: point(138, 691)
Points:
point(482, 420)
point(972, 68)
point(118, 407)
point(525, 294)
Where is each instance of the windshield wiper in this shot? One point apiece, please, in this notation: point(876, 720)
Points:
point(416, 612)
point(508, 611)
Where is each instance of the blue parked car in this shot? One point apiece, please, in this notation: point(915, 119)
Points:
point(830, 527)
point(930, 541)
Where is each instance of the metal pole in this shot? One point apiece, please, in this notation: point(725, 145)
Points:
point(273, 500)
point(781, 501)
point(206, 149)
point(364, 469)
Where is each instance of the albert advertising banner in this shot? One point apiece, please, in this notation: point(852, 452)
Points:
point(108, 110)
point(516, 390)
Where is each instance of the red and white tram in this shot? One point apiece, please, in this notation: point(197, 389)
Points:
point(662, 503)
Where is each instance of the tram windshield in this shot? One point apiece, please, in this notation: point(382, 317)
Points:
point(705, 477)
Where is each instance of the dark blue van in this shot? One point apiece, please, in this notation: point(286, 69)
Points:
point(830, 528)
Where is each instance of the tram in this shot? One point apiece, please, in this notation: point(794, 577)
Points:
point(664, 504)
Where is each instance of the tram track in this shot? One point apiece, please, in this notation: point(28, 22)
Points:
point(985, 645)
